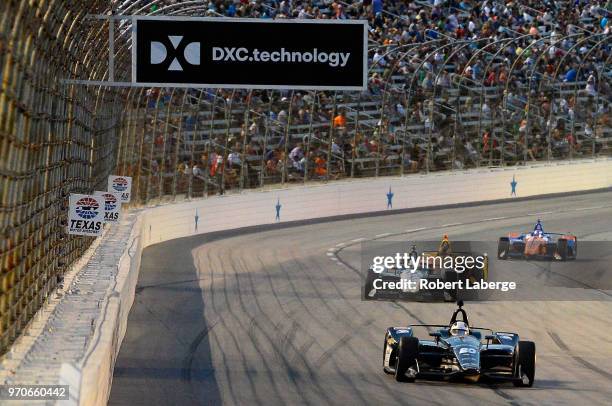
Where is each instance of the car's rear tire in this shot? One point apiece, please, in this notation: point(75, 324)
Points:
point(450, 295)
point(503, 247)
point(562, 248)
point(551, 249)
point(525, 363)
point(407, 353)
point(369, 285)
point(386, 371)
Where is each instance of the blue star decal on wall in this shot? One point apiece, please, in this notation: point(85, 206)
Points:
point(278, 209)
point(390, 199)
point(513, 185)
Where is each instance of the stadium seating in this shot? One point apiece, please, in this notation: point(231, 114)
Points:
point(452, 85)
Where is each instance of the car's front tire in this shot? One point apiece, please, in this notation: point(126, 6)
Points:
point(503, 246)
point(525, 367)
point(407, 353)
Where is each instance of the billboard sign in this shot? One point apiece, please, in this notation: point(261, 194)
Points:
point(249, 53)
point(121, 185)
point(112, 206)
point(86, 215)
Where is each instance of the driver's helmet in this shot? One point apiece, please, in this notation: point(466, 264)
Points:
point(444, 245)
point(459, 329)
point(538, 229)
point(413, 252)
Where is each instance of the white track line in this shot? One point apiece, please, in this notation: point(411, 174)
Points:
point(452, 224)
point(494, 218)
point(590, 208)
point(382, 235)
point(414, 230)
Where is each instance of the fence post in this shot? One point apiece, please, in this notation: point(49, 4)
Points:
point(243, 164)
point(285, 174)
point(265, 143)
point(310, 135)
point(331, 135)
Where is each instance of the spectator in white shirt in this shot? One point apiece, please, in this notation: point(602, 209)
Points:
point(471, 26)
point(590, 86)
point(400, 109)
point(234, 159)
point(296, 155)
point(379, 59)
point(197, 172)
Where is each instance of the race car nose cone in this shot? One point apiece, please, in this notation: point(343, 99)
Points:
point(472, 371)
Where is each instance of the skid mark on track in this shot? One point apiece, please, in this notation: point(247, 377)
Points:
point(555, 337)
point(505, 396)
point(139, 289)
point(193, 347)
point(326, 356)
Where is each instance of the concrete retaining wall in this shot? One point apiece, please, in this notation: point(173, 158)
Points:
point(99, 362)
point(363, 196)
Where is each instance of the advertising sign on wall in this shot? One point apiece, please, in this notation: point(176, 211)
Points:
point(112, 206)
point(121, 185)
point(86, 215)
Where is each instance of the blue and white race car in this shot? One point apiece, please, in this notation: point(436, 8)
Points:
point(538, 245)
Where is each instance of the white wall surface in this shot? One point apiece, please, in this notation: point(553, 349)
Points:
point(363, 196)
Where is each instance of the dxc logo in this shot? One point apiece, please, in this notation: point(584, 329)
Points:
point(159, 53)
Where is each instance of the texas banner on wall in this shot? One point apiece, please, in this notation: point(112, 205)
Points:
point(86, 215)
point(112, 206)
point(121, 185)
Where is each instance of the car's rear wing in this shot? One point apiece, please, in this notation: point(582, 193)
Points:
point(479, 332)
point(429, 325)
point(506, 333)
point(446, 326)
point(435, 253)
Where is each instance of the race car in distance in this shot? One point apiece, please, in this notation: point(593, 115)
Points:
point(429, 272)
point(458, 351)
point(538, 245)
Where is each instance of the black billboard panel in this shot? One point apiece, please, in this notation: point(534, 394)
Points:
point(249, 53)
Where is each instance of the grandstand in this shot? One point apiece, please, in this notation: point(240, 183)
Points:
point(452, 85)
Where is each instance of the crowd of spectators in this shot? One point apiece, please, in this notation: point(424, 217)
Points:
point(452, 84)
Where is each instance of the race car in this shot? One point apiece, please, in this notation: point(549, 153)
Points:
point(538, 245)
point(376, 284)
point(458, 351)
point(403, 283)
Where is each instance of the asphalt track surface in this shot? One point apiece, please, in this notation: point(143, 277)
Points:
point(276, 316)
